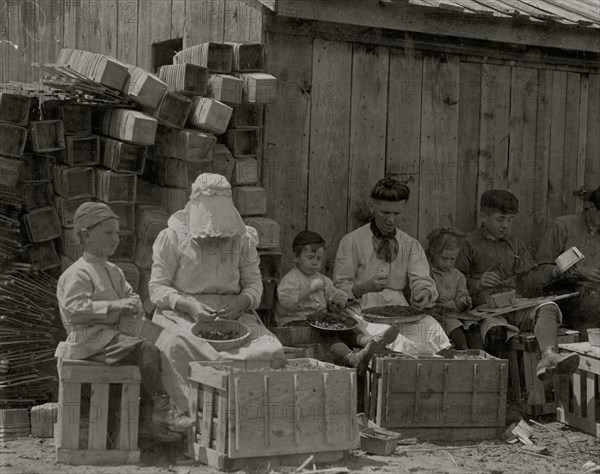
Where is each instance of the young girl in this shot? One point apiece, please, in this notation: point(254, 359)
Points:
point(92, 295)
point(444, 246)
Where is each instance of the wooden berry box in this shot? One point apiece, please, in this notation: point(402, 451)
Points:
point(173, 110)
point(12, 140)
point(185, 145)
point(248, 57)
point(76, 118)
point(430, 397)
point(579, 394)
point(74, 183)
point(186, 79)
point(533, 397)
point(113, 187)
point(123, 157)
point(42, 224)
point(14, 108)
point(47, 135)
point(82, 151)
point(43, 255)
point(249, 412)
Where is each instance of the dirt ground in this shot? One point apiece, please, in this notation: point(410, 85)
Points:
point(568, 451)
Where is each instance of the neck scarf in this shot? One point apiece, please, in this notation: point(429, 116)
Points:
point(385, 245)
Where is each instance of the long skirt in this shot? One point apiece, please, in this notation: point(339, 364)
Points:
point(180, 347)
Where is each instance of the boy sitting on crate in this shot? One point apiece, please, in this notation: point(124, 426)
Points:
point(444, 246)
point(304, 291)
point(493, 260)
point(92, 295)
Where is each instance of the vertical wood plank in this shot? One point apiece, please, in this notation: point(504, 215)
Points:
point(5, 45)
point(153, 28)
point(469, 107)
point(542, 148)
point(83, 30)
point(236, 23)
point(207, 415)
point(582, 138)
point(439, 133)
point(69, 399)
point(99, 411)
point(71, 16)
point(104, 26)
point(521, 153)
point(367, 128)
point(178, 18)
point(571, 132)
point(493, 142)
point(50, 25)
point(221, 444)
point(206, 20)
point(329, 128)
point(129, 424)
point(577, 396)
point(286, 137)
point(127, 39)
point(590, 396)
point(404, 129)
point(557, 144)
point(592, 149)
point(22, 31)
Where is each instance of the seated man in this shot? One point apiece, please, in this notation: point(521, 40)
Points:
point(493, 260)
point(581, 231)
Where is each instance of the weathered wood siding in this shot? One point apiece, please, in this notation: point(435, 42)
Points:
point(450, 126)
point(36, 30)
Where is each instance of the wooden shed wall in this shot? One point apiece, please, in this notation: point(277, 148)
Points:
point(450, 126)
point(36, 30)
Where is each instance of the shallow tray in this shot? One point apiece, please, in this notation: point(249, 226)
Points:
point(522, 303)
point(351, 323)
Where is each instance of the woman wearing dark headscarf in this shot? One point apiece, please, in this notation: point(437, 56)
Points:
point(581, 231)
point(92, 295)
point(375, 262)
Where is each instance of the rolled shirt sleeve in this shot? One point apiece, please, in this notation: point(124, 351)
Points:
point(165, 260)
point(346, 263)
point(422, 287)
point(250, 277)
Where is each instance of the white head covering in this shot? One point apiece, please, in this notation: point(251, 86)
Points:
point(210, 211)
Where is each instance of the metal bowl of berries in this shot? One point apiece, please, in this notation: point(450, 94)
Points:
point(324, 321)
point(222, 334)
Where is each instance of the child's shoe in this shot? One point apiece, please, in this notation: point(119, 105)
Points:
point(552, 361)
point(167, 414)
point(360, 359)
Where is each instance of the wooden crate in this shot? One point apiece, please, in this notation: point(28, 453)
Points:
point(80, 442)
point(35, 168)
point(268, 231)
point(14, 108)
point(66, 209)
point(210, 115)
point(246, 116)
point(146, 192)
point(250, 200)
point(76, 118)
point(176, 173)
point(242, 141)
point(130, 126)
point(436, 398)
point(248, 57)
point(250, 411)
point(123, 157)
point(36, 195)
point(12, 140)
point(43, 418)
point(43, 255)
point(47, 135)
point(173, 199)
point(185, 144)
point(74, 183)
point(271, 263)
point(259, 88)
point(186, 79)
point(42, 224)
point(216, 57)
point(144, 88)
point(131, 273)
point(579, 394)
point(127, 248)
point(10, 170)
point(103, 69)
point(113, 187)
point(224, 163)
point(173, 110)
point(225, 88)
point(14, 422)
point(533, 397)
point(246, 171)
point(126, 213)
point(82, 151)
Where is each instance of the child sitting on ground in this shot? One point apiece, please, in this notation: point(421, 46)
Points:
point(444, 246)
point(304, 291)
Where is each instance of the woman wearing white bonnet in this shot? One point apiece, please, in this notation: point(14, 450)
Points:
point(205, 262)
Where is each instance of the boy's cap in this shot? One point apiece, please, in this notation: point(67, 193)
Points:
point(307, 237)
point(500, 200)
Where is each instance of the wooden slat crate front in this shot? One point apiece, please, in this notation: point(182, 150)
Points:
point(76, 118)
point(82, 151)
point(75, 183)
point(122, 156)
point(579, 394)
point(436, 398)
point(14, 108)
point(12, 140)
point(47, 135)
point(529, 392)
point(262, 411)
